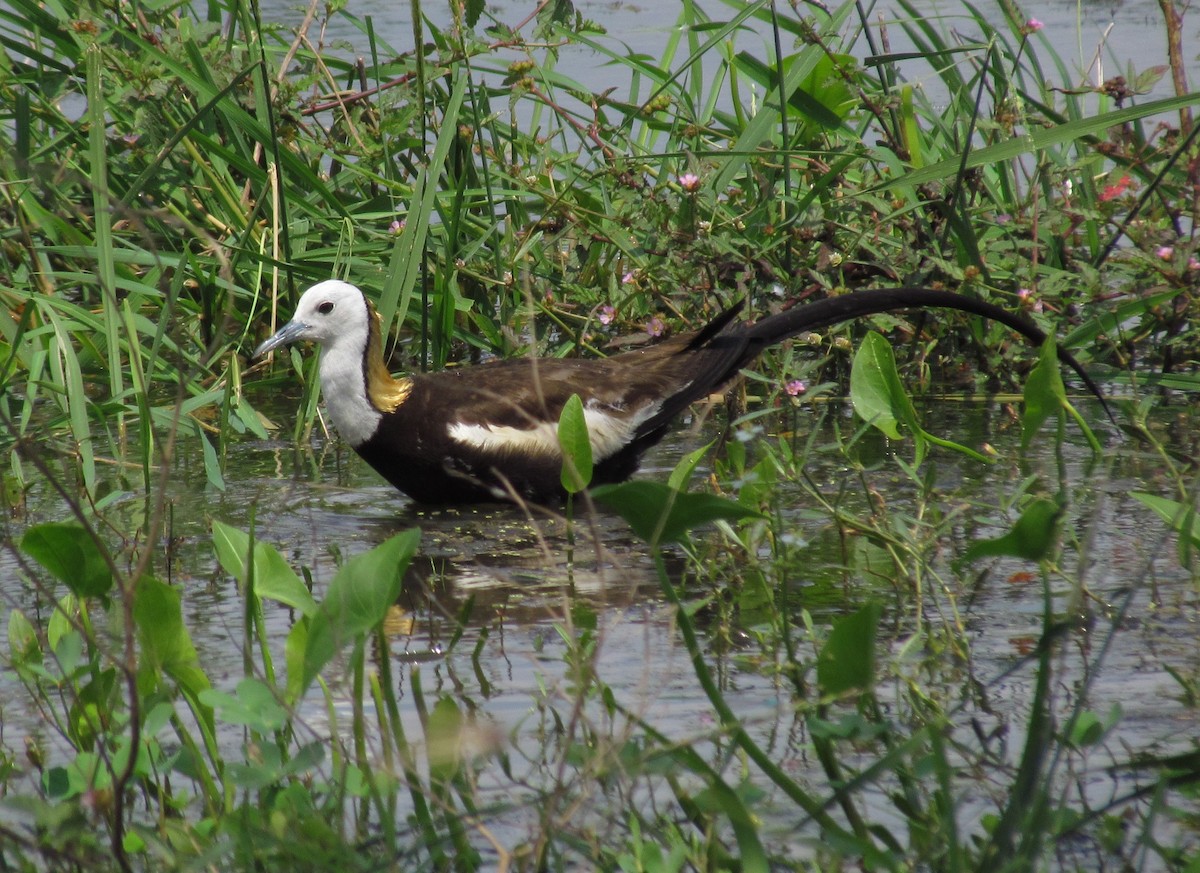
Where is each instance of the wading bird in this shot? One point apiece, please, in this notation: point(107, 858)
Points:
point(489, 432)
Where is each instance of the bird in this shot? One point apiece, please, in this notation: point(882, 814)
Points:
point(488, 433)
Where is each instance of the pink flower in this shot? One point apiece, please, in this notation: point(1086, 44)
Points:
point(1165, 252)
point(397, 226)
point(1033, 25)
point(689, 182)
point(796, 387)
point(1115, 190)
point(629, 278)
point(607, 314)
point(1193, 263)
point(1024, 293)
point(655, 326)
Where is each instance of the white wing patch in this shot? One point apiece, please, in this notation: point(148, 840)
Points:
point(608, 433)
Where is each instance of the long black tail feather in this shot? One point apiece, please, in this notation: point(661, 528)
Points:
point(832, 310)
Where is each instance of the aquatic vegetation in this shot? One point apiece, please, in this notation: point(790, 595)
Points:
point(171, 177)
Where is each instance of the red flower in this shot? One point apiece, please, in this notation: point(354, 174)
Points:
point(1112, 191)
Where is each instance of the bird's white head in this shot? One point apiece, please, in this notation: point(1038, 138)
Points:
point(332, 313)
point(336, 315)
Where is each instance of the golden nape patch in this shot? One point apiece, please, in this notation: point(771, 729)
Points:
point(385, 393)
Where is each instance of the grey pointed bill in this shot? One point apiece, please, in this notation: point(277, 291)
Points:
point(289, 333)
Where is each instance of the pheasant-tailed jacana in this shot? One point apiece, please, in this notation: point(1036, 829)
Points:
point(488, 432)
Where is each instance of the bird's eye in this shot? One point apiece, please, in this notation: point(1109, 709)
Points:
point(325, 308)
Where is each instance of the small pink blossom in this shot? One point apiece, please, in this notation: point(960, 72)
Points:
point(1024, 293)
point(397, 226)
point(629, 278)
point(607, 314)
point(1165, 252)
point(689, 182)
point(1033, 25)
point(655, 326)
point(1111, 192)
point(1193, 263)
point(796, 387)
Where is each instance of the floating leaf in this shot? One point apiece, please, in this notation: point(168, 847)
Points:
point(659, 514)
point(1031, 538)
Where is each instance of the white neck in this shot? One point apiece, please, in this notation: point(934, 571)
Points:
point(344, 386)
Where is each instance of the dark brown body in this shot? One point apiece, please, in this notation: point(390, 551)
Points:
point(413, 449)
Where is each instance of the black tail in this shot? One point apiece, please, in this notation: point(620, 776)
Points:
point(832, 310)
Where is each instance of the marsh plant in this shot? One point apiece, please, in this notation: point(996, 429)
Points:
point(171, 176)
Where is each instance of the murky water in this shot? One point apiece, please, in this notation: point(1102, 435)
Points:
point(509, 576)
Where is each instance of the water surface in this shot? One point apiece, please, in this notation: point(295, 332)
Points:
point(493, 590)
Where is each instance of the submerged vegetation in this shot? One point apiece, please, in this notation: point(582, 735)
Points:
point(171, 176)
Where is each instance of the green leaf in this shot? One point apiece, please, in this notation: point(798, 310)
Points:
point(23, 645)
point(295, 650)
point(357, 600)
point(273, 577)
point(1037, 139)
point(1181, 517)
point(719, 797)
point(879, 397)
point(407, 255)
point(254, 705)
point(1088, 728)
point(847, 660)
point(1045, 393)
point(165, 642)
point(62, 621)
point(70, 554)
point(1031, 538)
point(873, 387)
point(1114, 318)
point(443, 732)
point(212, 463)
point(472, 10)
point(683, 471)
point(576, 446)
point(660, 514)
point(765, 122)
